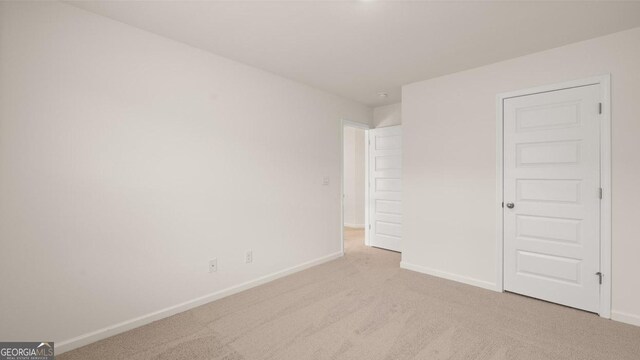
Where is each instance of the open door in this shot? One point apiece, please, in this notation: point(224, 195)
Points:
point(385, 187)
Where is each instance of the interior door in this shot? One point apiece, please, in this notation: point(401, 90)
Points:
point(552, 196)
point(385, 187)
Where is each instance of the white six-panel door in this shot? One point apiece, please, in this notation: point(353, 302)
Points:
point(385, 187)
point(552, 196)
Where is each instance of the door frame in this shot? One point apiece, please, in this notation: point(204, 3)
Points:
point(605, 179)
point(366, 127)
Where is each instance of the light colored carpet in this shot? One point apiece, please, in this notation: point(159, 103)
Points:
point(364, 306)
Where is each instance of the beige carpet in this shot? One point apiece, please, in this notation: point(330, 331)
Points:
point(364, 306)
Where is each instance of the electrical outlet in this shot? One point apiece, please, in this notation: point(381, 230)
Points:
point(213, 265)
point(325, 181)
point(248, 257)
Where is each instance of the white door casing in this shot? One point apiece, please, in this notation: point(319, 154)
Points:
point(385, 187)
point(552, 177)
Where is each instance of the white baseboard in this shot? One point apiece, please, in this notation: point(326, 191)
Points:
point(355, 226)
point(626, 318)
point(85, 339)
point(449, 276)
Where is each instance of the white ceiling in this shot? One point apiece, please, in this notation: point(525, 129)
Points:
point(358, 49)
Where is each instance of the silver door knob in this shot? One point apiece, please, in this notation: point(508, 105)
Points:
point(510, 205)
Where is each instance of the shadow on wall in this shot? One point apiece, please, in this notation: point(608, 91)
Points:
point(388, 115)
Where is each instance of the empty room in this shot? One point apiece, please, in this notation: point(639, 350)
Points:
point(319, 180)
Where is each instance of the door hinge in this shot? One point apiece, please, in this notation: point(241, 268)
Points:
point(599, 275)
point(369, 226)
point(599, 108)
point(503, 204)
point(600, 193)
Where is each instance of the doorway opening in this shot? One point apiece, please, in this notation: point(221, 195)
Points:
point(354, 185)
point(371, 187)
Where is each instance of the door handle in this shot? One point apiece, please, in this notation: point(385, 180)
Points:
point(510, 205)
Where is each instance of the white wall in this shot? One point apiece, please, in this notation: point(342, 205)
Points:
point(449, 173)
point(354, 177)
point(127, 161)
point(388, 115)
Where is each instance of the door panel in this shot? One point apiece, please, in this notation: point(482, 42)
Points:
point(385, 187)
point(552, 177)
